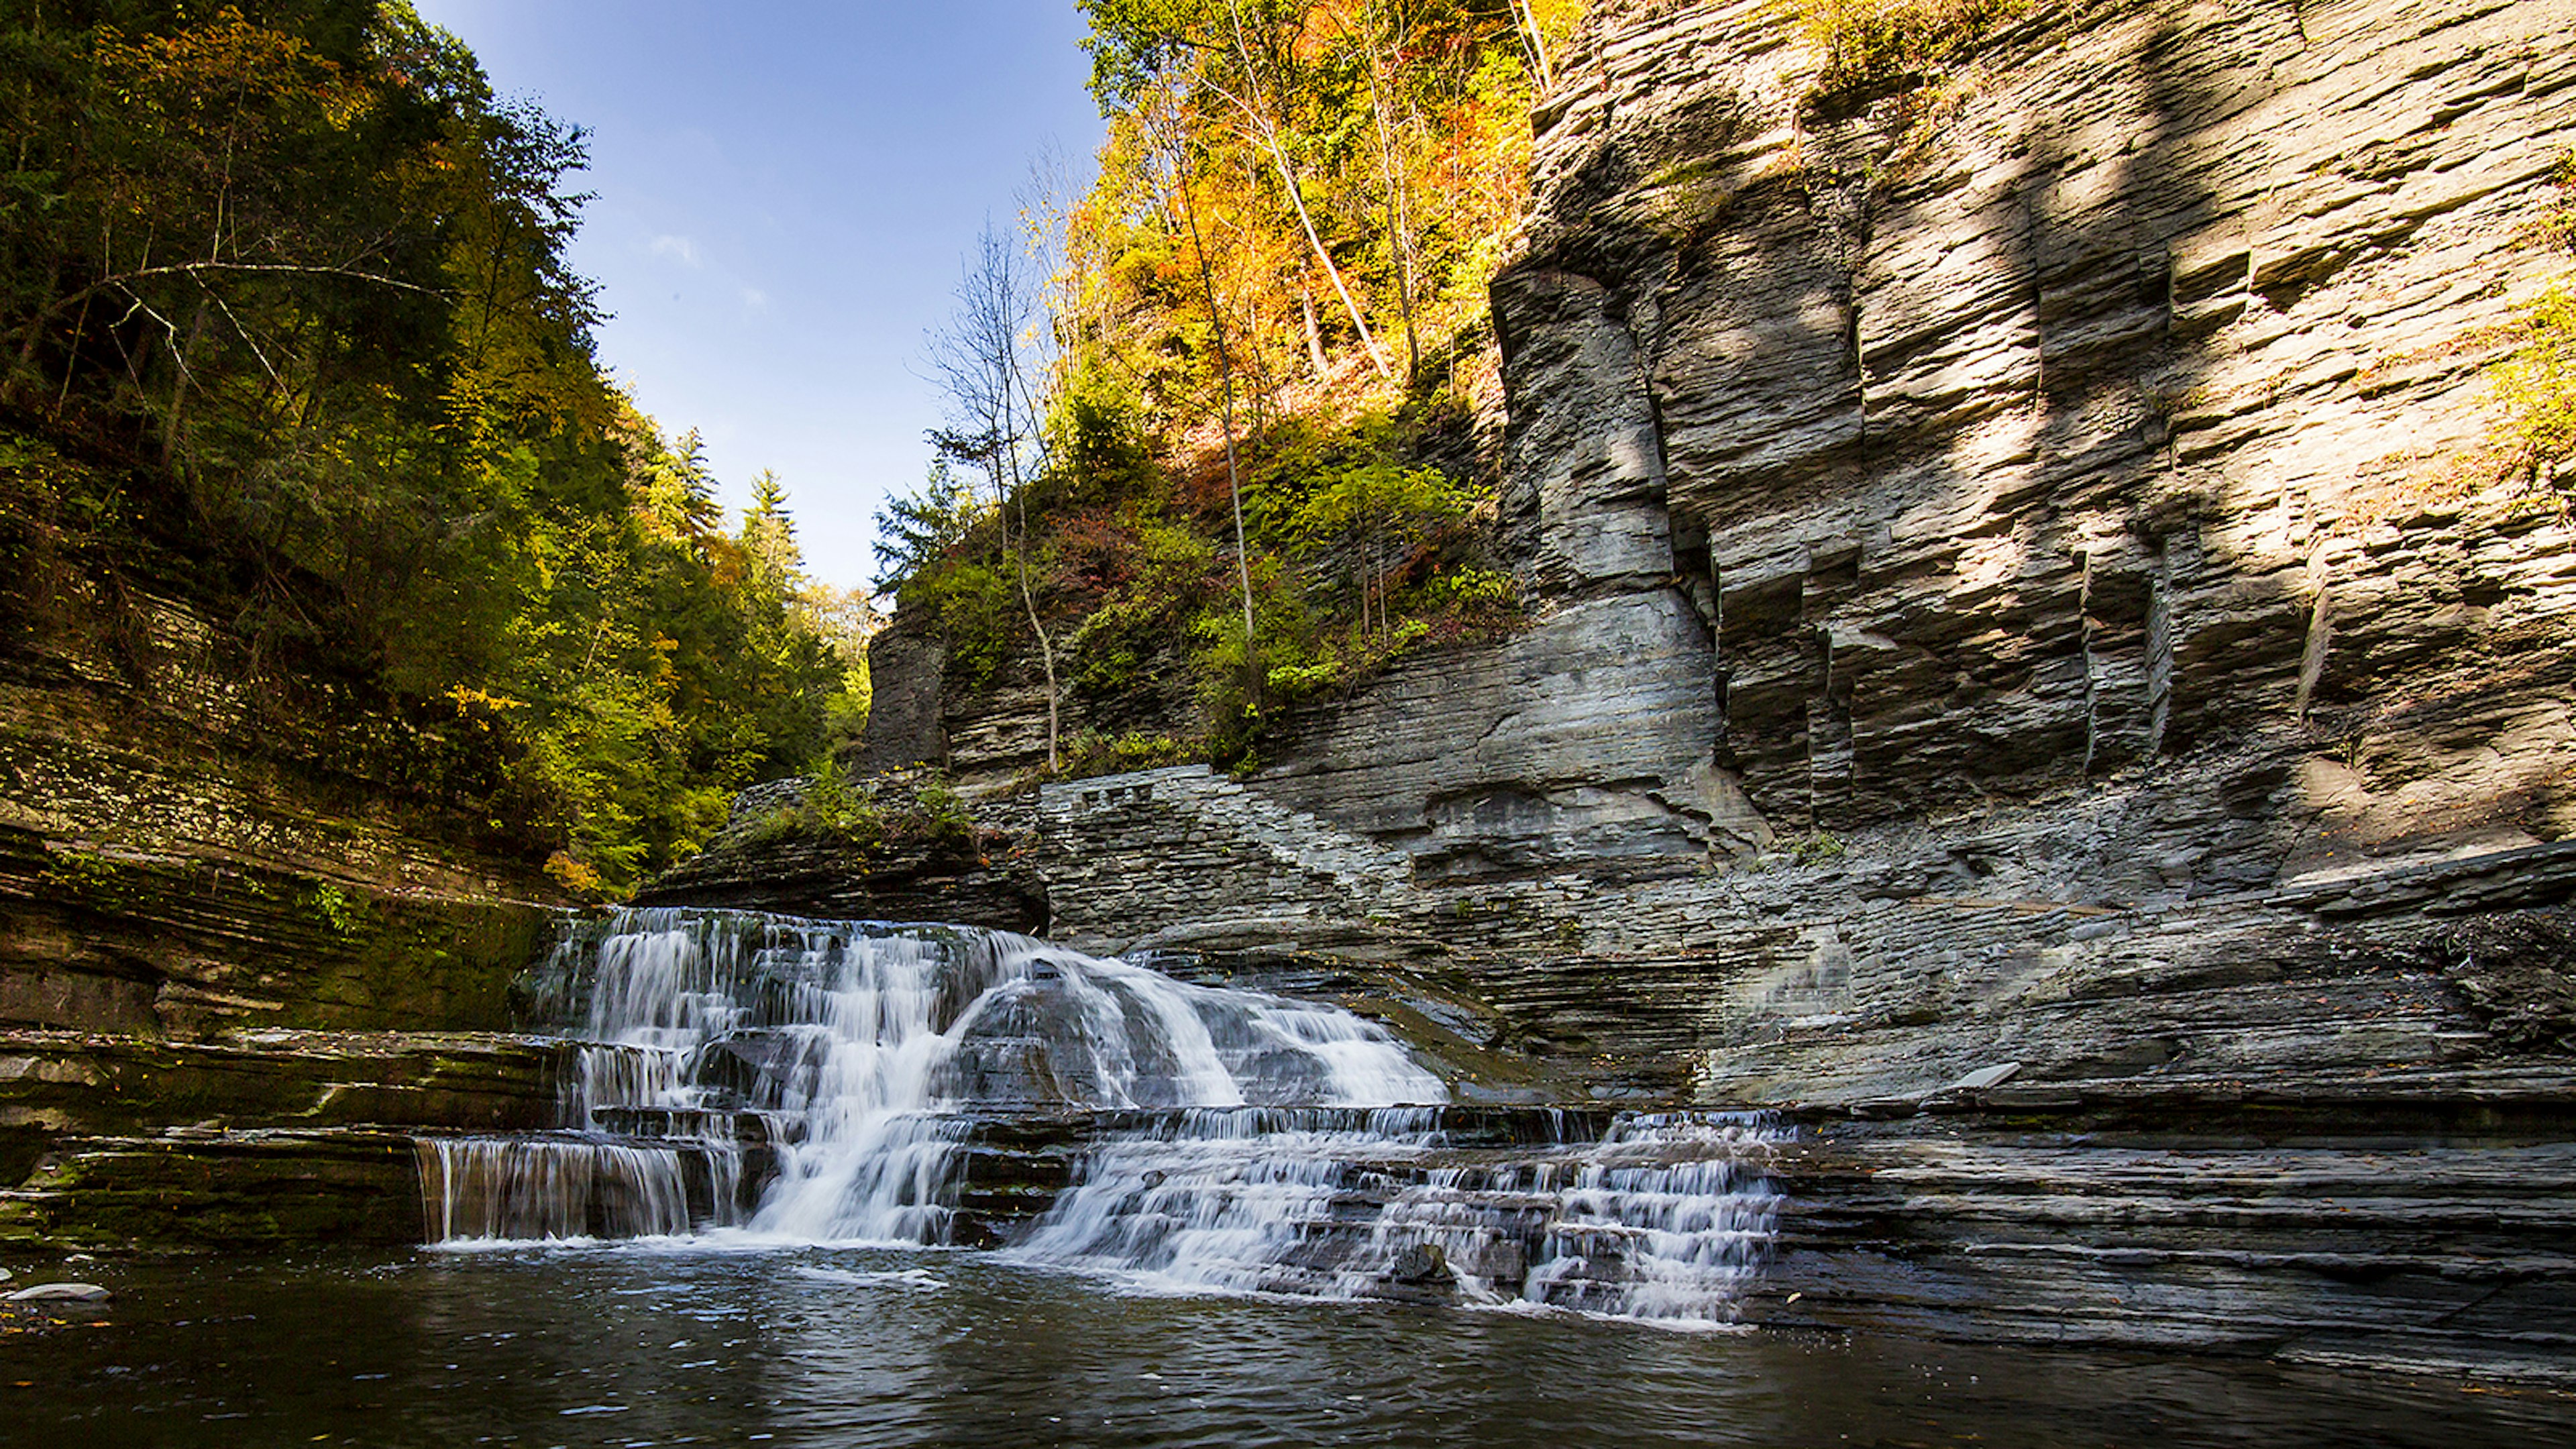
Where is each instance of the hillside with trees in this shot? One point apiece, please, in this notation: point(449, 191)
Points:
point(287, 330)
point(1223, 425)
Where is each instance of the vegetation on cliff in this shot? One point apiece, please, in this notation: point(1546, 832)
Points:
point(2536, 382)
point(1217, 447)
point(286, 325)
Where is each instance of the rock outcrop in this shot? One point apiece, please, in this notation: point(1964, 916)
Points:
point(256, 1139)
point(177, 856)
point(2019, 575)
point(224, 889)
point(769, 857)
point(2059, 481)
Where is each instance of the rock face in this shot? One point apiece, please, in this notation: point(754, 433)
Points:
point(2019, 576)
point(2090, 412)
point(219, 902)
point(2426, 1255)
point(972, 874)
point(2099, 417)
point(177, 857)
point(2054, 490)
point(254, 1140)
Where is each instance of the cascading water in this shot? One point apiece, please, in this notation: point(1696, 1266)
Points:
point(1662, 1216)
point(784, 1080)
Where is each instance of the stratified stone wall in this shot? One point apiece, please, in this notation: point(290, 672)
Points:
point(171, 863)
point(2115, 401)
point(2015, 565)
point(1844, 979)
point(2113, 406)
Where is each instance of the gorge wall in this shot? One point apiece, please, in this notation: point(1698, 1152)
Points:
point(2015, 565)
point(245, 949)
point(2035, 670)
point(180, 856)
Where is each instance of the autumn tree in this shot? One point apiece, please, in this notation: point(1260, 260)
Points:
point(291, 281)
point(981, 358)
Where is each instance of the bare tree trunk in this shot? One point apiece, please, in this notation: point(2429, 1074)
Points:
point(1046, 644)
point(1398, 226)
point(1225, 388)
point(1011, 385)
point(979, 363)
point(1314, 336)
point(1267, 132)
point(1525, 19)
point(1267, 388)
point(1332, 273)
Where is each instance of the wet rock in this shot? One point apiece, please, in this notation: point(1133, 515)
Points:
point(61, 1293)
point(259, 1189)
point(1422, 1265)
point(2198, 1222)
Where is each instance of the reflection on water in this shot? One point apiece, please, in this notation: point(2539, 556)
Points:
point(645, 1344)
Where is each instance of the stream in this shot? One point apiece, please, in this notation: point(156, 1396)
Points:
point(686, 1343)
point(833, 1183)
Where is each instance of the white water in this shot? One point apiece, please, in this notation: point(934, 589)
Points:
point(854, 1049)
point(1666, 1218)
point(1280, 1146)
point(513, 1188)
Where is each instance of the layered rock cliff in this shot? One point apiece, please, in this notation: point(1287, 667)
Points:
point(179, 857)
point(2019, 582)
point(1977, 522)
point(224, 890)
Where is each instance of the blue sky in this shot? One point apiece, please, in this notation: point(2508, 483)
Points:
point(785, 190)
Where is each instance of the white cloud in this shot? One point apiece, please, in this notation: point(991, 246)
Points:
point(754, 298)
point(678, 248)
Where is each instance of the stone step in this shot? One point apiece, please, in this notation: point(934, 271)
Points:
point(55, 1082)
point(257, 1189)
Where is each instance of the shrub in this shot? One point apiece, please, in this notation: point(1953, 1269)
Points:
point(1093, 752)
point(2537, 383)
point(1875, 46)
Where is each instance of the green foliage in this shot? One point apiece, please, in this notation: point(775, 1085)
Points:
point(335, 908)
point(1877, 46)
point(978, 608)
point(832, 807)
point(2537, 383)
point(1267, 160)
point(922, 528)
point(1469, 589)
point(942, 819)
point(1268, 157)
point(2556, 225)
point(1149, 573)
point(1818, 848)
point(1092, 752)
point(294, 288)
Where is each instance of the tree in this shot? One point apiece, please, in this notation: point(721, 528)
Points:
point(296, 284)
point(980, 358)
point(1225, 376)
point(915, 531)
point(769, 536)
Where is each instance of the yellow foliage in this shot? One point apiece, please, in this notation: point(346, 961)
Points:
point(1869, 44)
point(576, 876)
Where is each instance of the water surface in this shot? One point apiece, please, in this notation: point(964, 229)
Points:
point(664, 1344)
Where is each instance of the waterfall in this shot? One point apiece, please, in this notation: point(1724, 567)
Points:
point(545, 1188)
point(1661, 1217)
point(851, 1053)
point(799, 1081)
